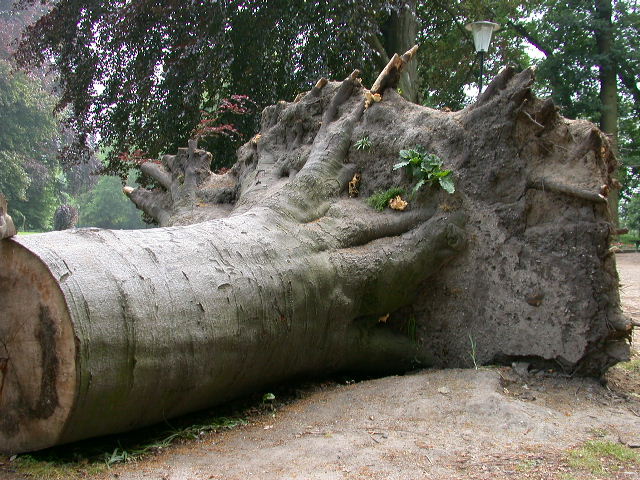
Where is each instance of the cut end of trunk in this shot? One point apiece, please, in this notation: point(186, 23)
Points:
point(37, 353)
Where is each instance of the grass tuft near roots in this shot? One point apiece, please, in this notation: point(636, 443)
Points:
point(90, 458)
point(600, 456)
point(380, 200)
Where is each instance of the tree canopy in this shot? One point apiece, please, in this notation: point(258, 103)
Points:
point(144, 74)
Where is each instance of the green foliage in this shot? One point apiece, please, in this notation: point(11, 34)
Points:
point(572, 39)
point(268, 397)
point(631, 214)
point(448, 64)
point(105, 206)
point(426, 168)
point(363, 144)
point(164, 63)
point(380, 200)
point(30, 176)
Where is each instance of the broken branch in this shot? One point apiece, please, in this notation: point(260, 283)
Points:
point(390, 75)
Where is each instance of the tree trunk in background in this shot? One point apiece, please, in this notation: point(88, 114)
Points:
point(278, 269)
point(608, 88)
point(399, 34)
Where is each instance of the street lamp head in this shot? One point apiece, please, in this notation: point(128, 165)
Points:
point(482, 34)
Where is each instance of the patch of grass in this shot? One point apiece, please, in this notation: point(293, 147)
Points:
point(528, 465)
point(600, 456)
point(380, 200)
point(57, 470)
point(474, 352)
point(632, 365)
point(192, 432)
point(89, 458)
point(363, 144)
point(598, 432)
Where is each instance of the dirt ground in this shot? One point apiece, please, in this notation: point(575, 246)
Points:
point(493, 423)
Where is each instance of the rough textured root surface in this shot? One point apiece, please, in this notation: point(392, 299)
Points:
point(537, 280)
point(279, 273)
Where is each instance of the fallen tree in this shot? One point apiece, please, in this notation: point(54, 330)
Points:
point(278, 268)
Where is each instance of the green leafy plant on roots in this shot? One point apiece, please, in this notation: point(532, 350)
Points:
point(426, 168)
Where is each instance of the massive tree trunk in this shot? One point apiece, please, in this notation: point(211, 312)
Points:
point(278, 269)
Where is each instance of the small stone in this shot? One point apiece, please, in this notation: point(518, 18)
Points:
point(527, 396)
point(535, 299)
point(521, 368)
point(444, 390)
point(629, 441)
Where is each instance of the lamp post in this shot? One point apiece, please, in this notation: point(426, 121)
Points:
point(482, 32)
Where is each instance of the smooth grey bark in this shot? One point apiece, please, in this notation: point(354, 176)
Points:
point(273, 270)
point(159, 330)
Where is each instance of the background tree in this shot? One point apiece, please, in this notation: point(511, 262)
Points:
point(160, 65)
point(29, 169)
point(36, 170)
point(105, 206)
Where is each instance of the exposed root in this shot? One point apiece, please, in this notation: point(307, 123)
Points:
point(566, 189)
point(157, 173)
point(150, 203)
point(498, 83)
